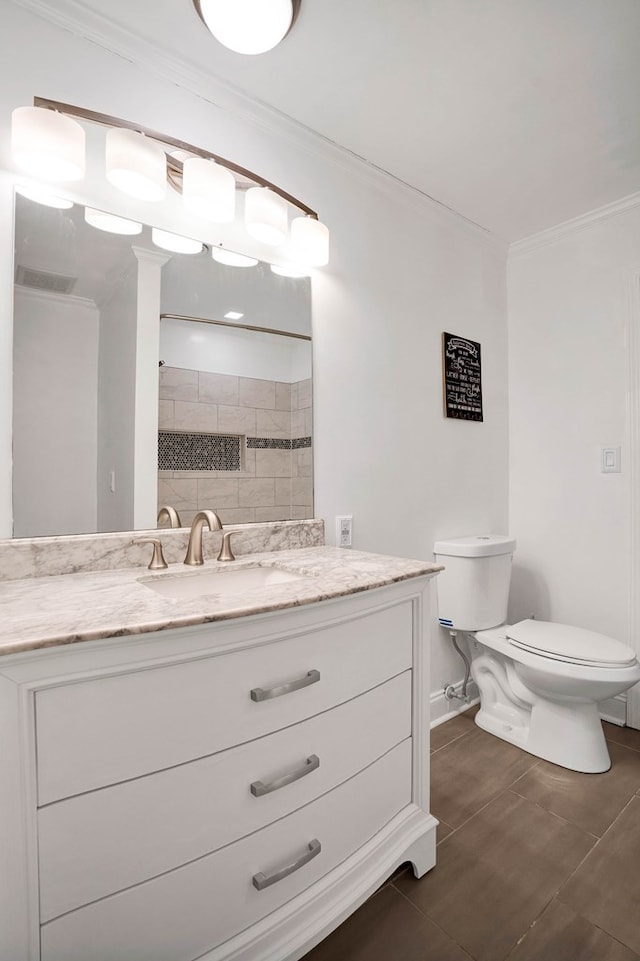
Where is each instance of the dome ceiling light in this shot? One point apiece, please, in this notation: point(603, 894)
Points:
point(48, 142)
point(248, 26)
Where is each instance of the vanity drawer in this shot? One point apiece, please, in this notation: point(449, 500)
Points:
point(181, 915)
point(142, 828)
point(98, 732)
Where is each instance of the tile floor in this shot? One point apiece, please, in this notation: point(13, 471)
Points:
point(535, 863)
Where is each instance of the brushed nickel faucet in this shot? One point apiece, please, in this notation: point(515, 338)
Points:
point(171, 515)
point(194, 548)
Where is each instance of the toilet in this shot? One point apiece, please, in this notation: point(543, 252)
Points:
point(540, 683)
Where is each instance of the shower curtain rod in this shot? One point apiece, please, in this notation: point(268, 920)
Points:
point(226, 323)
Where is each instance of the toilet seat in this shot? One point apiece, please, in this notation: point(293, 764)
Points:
point(573, 645)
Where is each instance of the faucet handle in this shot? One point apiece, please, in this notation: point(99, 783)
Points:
point(226, 554)
point(158, 562)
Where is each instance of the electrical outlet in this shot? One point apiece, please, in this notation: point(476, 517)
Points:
point(344, 526)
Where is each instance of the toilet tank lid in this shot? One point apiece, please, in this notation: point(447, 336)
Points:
point(475, 545)
point(568, 643)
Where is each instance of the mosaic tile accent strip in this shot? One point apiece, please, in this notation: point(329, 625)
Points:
point(179, 450)
point(277, 443)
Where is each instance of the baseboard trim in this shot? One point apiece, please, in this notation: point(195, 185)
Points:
point(442, 709)
point(614, 710)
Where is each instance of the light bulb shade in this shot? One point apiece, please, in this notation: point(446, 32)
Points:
point(231, 259)
point(47, 144)
point(309, 242)
point(136, 165)
point(289, 270)
point(265, 215)
point(209, 190)
point(110, 223)
point(40, 195)
point(174, 242)
point(247, 26)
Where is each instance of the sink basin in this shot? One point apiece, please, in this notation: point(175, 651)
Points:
point(221, 583)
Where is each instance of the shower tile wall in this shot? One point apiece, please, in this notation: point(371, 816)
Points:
point(274, 421)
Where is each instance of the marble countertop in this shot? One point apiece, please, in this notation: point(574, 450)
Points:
point(66, 609)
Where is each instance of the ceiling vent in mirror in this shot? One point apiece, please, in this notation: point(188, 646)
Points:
point(44, 281)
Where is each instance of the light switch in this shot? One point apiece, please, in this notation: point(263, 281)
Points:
point(610, 460)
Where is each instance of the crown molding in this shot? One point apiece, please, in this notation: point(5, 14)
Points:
point(73, 16)
point(576, 224)
point(52, 296)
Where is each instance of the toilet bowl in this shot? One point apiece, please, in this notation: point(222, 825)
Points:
point(539, 682)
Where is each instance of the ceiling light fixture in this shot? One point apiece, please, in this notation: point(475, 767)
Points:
point(48, 141)
point(233, 315)
point(175, 243)
point(136, 165)
point(41, 196)
point(231, 259)
point(47, 145)
point(110, 223)
point(289, 270)
point(265, 216)
point(248, 26)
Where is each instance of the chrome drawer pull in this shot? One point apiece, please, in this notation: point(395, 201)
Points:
point(261, 880)
point(264, 693)
point(258, 788)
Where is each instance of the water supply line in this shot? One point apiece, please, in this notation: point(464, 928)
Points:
point(450, 692)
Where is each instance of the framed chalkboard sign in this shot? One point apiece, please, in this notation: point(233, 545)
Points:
point(462, 377)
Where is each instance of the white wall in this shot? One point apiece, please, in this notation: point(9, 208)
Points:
point(55, 414)
point(116, 402)
point(402, 271)
point(569, 307)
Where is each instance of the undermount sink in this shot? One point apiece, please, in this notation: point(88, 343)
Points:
point(221, 582)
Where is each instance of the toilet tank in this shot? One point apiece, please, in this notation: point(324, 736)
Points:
point(473, 589)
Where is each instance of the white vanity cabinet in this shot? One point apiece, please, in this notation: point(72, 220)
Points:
point(225, 791)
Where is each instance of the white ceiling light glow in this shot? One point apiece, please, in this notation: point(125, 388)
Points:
point(247, 26)
point(48, 141)
point(175, 243)
point(231, 259)
point(136, 165)
point(265, 215)
point(289, 270)
point(309, 242)
point(110, 223)
point(47, 145)
point(209, 190)
point(41, 196)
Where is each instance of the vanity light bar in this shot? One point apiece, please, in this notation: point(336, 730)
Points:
point(174, 165)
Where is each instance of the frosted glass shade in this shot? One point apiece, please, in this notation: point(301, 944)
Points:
point(174, 242)
point(309, 242)
point(231, 259)
point(288, 270)
point(248, 26)
point(209, 190)
point(47, 144)
point(136, 165)
point(265, 215)
point(41, 196)
point(110, 223)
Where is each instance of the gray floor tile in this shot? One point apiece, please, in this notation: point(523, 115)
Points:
point(496, 874)
point(591, 801)
point(606, 887)
point(468, 773)
point(451, 730)
point(560, 934)
point(387, 928)
point(627, 736)
point(444, 830)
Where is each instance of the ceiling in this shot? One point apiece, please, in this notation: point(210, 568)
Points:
point(518, 114)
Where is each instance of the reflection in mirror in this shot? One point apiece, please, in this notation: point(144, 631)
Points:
point(230, 412)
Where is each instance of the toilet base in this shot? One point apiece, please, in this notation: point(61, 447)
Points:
point(565, 733)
